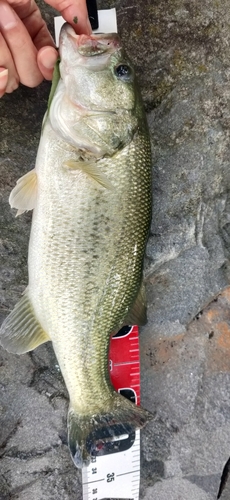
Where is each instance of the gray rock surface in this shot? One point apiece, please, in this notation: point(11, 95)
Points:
point(181, 52)
point(190, 436)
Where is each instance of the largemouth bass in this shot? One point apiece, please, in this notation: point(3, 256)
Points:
point(90, 193)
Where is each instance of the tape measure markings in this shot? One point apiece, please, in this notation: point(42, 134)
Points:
point(117, 474)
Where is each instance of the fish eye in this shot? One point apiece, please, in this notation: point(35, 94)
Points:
point(123, 72)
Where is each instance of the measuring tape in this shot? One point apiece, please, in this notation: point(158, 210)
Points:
point(116, 474)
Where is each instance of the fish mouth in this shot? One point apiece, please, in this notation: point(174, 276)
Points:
point(90, 45)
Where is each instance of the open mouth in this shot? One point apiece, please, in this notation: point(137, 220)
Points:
point(91, 45)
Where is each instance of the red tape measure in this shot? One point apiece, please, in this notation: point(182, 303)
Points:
point(124, 363)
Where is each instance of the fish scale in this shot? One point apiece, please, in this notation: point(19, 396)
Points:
point(60, 245)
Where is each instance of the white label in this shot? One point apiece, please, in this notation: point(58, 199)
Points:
point(107, 20)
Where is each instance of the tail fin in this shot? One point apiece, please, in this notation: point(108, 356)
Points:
point(93, 435)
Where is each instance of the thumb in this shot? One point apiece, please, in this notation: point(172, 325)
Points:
point(46, 59)
point(75, 13)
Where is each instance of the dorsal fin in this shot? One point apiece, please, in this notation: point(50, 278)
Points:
point(137, 314)
point(21, 331)
point(55, 80)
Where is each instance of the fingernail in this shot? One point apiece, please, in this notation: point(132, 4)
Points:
point(3, 78)
point(8, 18)
point(49, 57)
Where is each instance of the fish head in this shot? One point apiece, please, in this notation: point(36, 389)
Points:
point(94, 107)
point(96, 72)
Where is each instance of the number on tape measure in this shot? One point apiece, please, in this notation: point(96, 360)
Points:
point(110, 477)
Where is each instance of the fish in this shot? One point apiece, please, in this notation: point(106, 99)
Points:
point(90, 193)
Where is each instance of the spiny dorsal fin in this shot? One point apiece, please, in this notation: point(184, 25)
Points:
point(55, 80)
point(21, 331)
point(24, 195)
point(91, 170)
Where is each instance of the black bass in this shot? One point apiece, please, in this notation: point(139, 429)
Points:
point(90, 193)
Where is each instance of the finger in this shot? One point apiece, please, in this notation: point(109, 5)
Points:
point(29, 13)
point(20, 45)
point(46, 59)
point(7, 63)
point(74, 12)
point(3, 80)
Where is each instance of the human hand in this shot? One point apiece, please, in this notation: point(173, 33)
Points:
point(27, 50)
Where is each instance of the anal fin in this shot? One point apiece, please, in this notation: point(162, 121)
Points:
point(21, 332)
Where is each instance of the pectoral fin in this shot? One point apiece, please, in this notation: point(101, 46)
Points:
point(21, 331)
point(92, 171)
point(23, 196)
point(137, 314)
